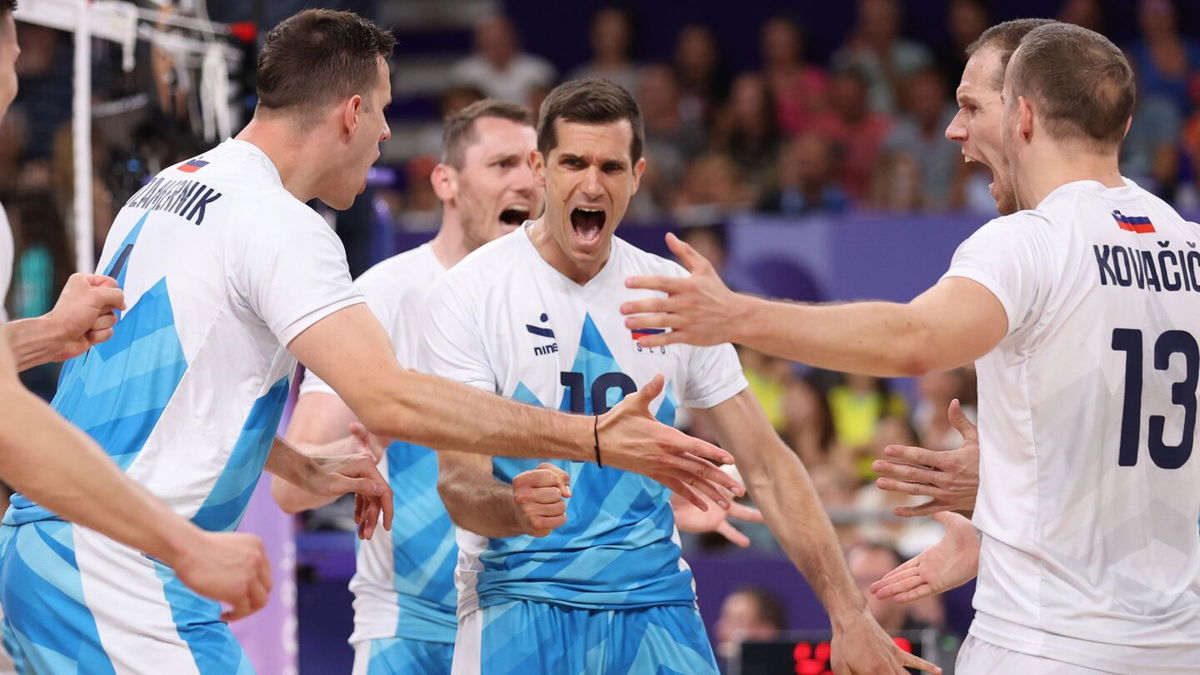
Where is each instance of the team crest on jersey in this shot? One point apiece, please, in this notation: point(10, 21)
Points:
point(543, 332)
point(1139, 224)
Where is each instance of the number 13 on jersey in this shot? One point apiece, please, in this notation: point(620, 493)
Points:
point(1183, 394)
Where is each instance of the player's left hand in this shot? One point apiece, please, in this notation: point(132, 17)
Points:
point(861, 647)
point(689, 518)
point(84, 313)
point(338, 474)
point(699, 309)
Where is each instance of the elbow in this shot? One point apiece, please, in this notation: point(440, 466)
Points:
point(448, 493)
point(914, 363)
point(916, 353)
point(284, 495)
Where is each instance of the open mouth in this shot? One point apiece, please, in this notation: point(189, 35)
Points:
point(587, 223)
point(514, 215)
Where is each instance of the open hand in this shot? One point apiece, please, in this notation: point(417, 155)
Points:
point(698, 309)
point(689, 518)
point(338, 474)
point(631, 439)
point(950, 563)
point(950, 478)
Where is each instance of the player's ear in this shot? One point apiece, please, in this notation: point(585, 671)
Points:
point(537, 162)
point(444, 180)
point(1024, 118)
point(350, 110)
point(639, 167)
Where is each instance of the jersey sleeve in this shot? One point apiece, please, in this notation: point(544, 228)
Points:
point(1012, 257)
point(451, 340)
point(714, 376)
point(291, 272)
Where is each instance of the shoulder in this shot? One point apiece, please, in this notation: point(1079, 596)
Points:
point(415, 268)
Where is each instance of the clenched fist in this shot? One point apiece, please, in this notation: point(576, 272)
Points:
point(540, 499)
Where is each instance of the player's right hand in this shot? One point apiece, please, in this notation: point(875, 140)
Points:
point(631, 439)
point(540, 499)
point(84, 312)
point(228, 567)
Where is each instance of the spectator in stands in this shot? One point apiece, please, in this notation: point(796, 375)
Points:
point(805, 183)
point(918, 139)
point(798, 88)
point(1150, 153)
point(1086, 13)
point(498, 67)
point(751, 613)
point(701, 75)
point(935, 391)
point(856, 131)
point(875, 47)
point(965, 21)
point(1163, 58)
point(612, 49)
point(747, 130)
point(670, 141)
point(14, 130)
point(868, 563)
point(857, 406)
point(712, 189)
point(1188, 194)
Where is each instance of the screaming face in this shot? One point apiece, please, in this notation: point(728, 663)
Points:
point(495, 189)
point(589, 177)
point(977, 125)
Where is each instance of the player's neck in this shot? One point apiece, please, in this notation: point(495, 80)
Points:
point(299, 165)
point(550, 251)
point(1046, 169)
point(450, 244)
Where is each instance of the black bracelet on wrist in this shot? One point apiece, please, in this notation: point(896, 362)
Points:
point(596, 436)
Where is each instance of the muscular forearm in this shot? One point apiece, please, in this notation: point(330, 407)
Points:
point(437, 413)
point(475, 500)
point(284, 462)
point(781, 489)
point(35, 341)
point(61, 468)
point(878, 338)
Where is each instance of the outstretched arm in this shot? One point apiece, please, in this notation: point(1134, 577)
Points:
point(82, 317)
point(780, 487)
point(350, 351)
point(63, 470)
point(954, 322)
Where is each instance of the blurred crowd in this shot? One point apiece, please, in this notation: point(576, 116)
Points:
point(863, 130)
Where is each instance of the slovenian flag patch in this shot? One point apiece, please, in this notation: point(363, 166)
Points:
point(193, 166)
point(639, 333)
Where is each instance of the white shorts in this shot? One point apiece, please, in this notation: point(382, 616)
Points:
point(977, 657)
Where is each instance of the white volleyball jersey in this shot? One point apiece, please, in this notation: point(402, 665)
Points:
point(505, 321)
point(221, 268)
point(403, 583)
point(6, 261)
point(1089, 487)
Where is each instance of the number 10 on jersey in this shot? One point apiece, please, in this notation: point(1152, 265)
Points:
point(1183, 394)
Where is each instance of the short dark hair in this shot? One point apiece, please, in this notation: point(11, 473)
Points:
point(7, 6)
point(459, 132)
point(589, 101)
point(1082, 83)
point(319, 56)
point(1005, 37)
